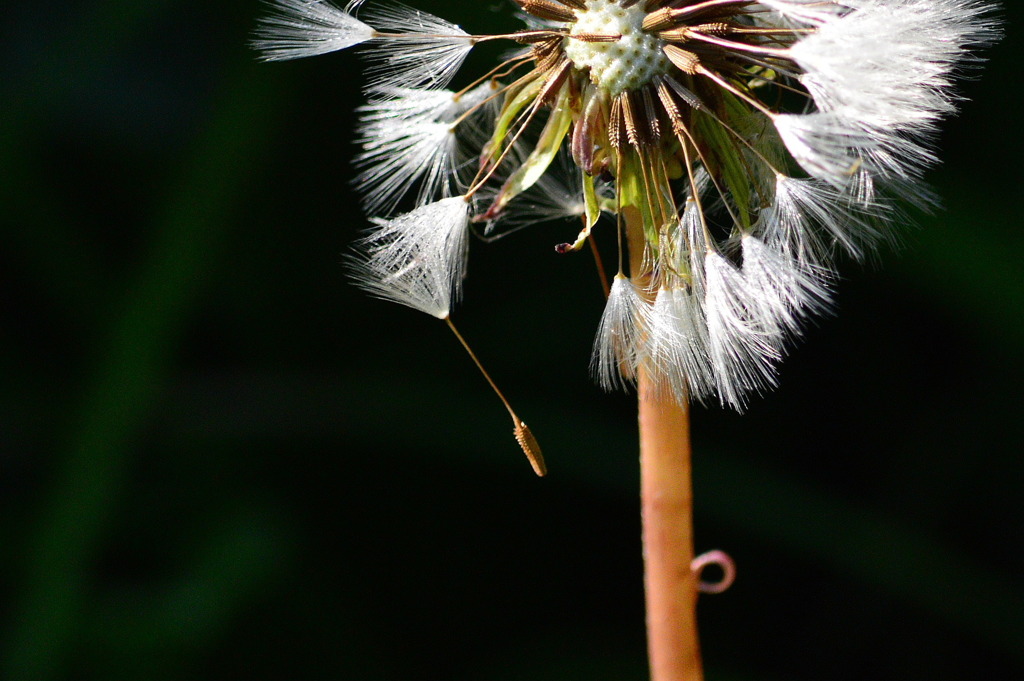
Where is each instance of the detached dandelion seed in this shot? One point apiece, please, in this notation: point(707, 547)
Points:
point(417, 260)
point(738, 146)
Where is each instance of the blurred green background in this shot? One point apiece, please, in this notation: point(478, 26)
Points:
point(220, 460)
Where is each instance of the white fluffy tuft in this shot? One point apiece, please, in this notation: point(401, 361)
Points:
point(804, 12)
point(892, 62)
point(677, 350)
point(623, 325)
point(416, 49)
point(827, 145)
point(784, 292)
point(398, 155)
point(304, 28)
point(809, 218)
point(409, 138)
point(417, 259)
point(744, 347)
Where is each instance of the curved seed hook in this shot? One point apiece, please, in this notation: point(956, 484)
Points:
point(724, 562)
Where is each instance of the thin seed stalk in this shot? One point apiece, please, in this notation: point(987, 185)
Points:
point(666, 494)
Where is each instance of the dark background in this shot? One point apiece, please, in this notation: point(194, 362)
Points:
point(220, 460)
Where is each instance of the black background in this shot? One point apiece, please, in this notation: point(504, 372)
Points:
point(220, 460)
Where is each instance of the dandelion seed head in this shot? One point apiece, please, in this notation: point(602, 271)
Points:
point(744, 146)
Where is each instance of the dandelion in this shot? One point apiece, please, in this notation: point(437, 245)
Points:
point(653, 100)
point(739, 146)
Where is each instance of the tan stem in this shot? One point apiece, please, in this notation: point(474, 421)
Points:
point(667, 514)
point(667, 508)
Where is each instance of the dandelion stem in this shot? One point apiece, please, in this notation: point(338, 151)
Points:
point(670, 584)
point(667, 510)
